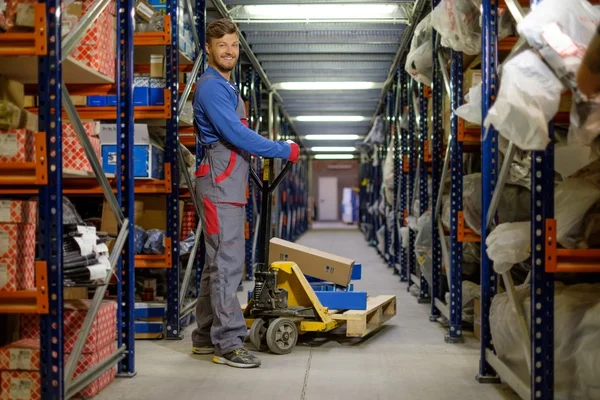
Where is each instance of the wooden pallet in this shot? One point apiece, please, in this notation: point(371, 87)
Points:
point(359, 323)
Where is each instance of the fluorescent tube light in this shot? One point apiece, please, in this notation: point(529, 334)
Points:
point(320, 11)
point(332, 137)
point(328, 85)
point(334, 156)
point(330, 118)
point(334, 149)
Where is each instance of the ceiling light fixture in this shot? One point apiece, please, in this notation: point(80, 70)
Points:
point(333, 149)
point(334, 156)
point(320, 11)
point(330, 118)
point(332, 137)
point(327, 85)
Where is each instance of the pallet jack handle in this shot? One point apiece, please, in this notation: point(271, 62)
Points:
point(265, 212)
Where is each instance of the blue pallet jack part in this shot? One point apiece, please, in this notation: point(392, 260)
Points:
point(331, 287)
point(343, 300)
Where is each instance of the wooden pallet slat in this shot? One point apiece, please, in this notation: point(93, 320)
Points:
point(379, 310)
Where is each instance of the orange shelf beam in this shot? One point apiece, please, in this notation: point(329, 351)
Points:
point(28, 301)
point(154, 38)
point(507, 43)
point(27, 173)
point(568, 260)
point(468, 135)
point(27, 43)
point(466, 234)
point(187, 140)
point(158, 261)
point(110, 113)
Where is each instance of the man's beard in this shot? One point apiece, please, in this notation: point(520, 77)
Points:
point(223, 67)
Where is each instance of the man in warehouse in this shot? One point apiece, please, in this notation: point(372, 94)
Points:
point(588, 78)
point(222, 129)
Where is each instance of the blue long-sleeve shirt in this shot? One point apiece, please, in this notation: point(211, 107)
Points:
point(215, 103)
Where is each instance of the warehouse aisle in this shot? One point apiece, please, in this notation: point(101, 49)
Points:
point(407, 359)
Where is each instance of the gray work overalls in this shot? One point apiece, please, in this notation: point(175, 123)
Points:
point(221, 182)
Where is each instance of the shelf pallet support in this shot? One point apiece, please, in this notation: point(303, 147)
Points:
point(404, 256)
point(542, 283)
point(51, 210)
point(125, 184)
point(171, 156)
point(489, 142)
point(424, 293)
point(410, 155)
point(456, 203)
point(397, 172)
point(437, 143)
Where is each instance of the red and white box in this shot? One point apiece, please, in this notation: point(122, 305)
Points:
point(24, 384)
point(17, 274)
point(16, 145)
point(74, 157)
point(188, 222)
point(102, 33)
point(96, 58)
point(110, 8)
point(103, 332)
point(68, 130)
point(18, 212)
point(17, 240)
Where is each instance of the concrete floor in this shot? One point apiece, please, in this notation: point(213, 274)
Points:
point(407, 359)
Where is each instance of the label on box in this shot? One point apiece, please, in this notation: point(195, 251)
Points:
point(20, 359)
point(112, 158)
point(5, 210)
point(20, 389)
point(4, 242)
point(9, 145)
point(3, 274)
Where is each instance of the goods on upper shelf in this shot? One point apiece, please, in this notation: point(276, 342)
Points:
point(419, 63)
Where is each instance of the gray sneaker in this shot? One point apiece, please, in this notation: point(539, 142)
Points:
point(203, 349)
point(239, 358)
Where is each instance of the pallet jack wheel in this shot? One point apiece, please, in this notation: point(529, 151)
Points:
point(258, 331)
point(282, 336)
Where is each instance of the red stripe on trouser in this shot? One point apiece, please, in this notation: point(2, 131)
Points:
point(211, 216)
point(229, 169)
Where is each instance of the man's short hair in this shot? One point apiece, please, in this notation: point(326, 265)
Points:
point(219, 28)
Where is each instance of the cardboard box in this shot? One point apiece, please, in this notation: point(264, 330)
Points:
point(28, 121)
point(12, 91)
point(98, 58)
point(477, 319)
point(10, 115)
point(75, 293)
point(31, 101)
point(102, 334)
point(79, 100)
point(25, 385)
point(157, 91)
point(18, 212)
point(157, 62)
point(69, 130)
point(312, 262)
point(144, 10)
point(17, 273)
point(17, 240)
point(141, 90)
point(148, 161)
point(74, 157)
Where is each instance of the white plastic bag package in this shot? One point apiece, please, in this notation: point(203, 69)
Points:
point(585, 121)
point(561, 30)
point(423, 245)
point(509, 244)
point(576, 338)
point(471, 110)
point(573, 198)
point(528, 99)
point(419, 63)
point(404, 236)
point(457, 22)
point(568, 159)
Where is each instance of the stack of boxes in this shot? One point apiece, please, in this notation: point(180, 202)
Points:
point(20, 361)
point(17, 245)
point(97, 48)
point(74, 158)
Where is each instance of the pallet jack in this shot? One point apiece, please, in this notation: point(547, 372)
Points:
point(283, 303)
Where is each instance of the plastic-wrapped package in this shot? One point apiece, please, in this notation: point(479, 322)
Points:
point(139, 239)
point(155, 242)
point(185, 246)
point(376, 134)
point(509, 244)
point(585, 121)
point(505, 26)
point(187, 113)
point(419, 63)
point(576, 338)
point(573, 198)
point(471, 110)
point(560, 30)
point(404, 236)
point(568, 159)
point(457, 21)
point(423, 245)
point(528, 99)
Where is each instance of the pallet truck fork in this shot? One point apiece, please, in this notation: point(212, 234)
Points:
point(283, 303)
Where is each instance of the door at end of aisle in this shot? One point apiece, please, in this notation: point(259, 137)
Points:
point(328, 206)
